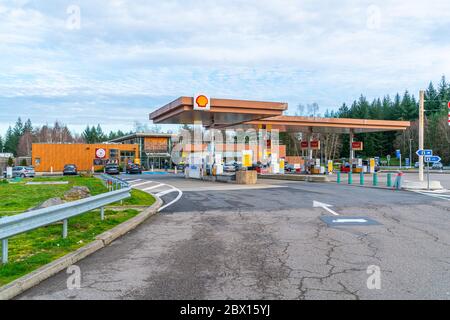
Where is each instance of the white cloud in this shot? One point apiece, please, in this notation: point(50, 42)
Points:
point(294, 51)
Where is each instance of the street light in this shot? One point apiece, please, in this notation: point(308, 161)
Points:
point(410, 153)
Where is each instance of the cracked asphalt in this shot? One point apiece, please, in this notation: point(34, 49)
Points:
point(236, 242)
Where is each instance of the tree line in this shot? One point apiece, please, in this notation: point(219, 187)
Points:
point(19, 138)
point(400, 107)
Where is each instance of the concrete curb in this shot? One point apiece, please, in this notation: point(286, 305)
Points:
point(32, 279)
point(309, 178)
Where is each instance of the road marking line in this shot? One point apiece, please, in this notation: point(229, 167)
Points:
point(162, 193)
point(439, 196)
point(141, 184)
point(154, 187)
point(350, 220)
point(133, 180)
point(180, 194)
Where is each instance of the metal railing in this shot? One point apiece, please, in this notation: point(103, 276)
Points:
point(113, 183)
point(24, 222)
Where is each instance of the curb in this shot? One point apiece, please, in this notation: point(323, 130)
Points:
point(32, 279)
point(312, 178)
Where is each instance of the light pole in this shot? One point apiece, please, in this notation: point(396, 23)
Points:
point(410, 153)
point(421, 130)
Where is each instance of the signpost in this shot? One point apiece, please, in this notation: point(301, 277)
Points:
point(388, 158)
point(449, 113)
point(428, 158)
point(398, 154)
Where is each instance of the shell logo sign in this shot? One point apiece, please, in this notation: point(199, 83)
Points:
point(201, 102)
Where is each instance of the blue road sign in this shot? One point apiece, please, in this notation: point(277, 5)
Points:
point(407, 162)
point(432, 159)
point(398, 154)
point(348, 221)
point(426, 152)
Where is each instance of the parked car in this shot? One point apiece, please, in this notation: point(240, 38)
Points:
point(133, 168)
point(232, 166)
point(23, 172)
point(289, 168)
point(345, 167)
point(229, 167)
point(70, 170)
point(437, 166)
point(261, 168)
point(112, 169)
point(367, 163)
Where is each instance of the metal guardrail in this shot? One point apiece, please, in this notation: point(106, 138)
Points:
point(24, 222)
point(113, 183)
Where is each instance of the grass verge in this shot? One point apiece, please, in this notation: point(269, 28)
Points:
point(31, 250)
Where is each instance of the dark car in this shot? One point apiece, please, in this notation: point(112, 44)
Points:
point(134, 168)
point(70, 170)
point(112, 169)
point(289, 168)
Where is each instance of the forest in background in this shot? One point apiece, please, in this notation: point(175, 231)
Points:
point(18, 139)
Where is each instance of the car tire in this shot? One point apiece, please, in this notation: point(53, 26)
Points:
point(22, 175)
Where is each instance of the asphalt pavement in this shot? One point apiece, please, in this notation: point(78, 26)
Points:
point(225, 241)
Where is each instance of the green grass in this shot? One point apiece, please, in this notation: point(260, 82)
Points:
point(139, 198)
point(33, 249)
point(19, 197)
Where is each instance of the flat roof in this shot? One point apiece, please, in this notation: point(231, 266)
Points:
point(142, 134)
point(329, 125)
point(222, 112)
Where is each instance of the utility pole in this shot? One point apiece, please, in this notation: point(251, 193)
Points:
point(421, 130)
point(410, 153)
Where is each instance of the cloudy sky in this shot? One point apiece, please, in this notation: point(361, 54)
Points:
point(114, 61)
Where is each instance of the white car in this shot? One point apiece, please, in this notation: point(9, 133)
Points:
point(23, 172)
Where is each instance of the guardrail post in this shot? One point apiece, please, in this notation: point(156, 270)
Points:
point(389, 180)
point(338, 173)
point(65, 228)
point(102, 213)
point(4, 251)
point(350, 177)
point(375, 179)
point(361, 178)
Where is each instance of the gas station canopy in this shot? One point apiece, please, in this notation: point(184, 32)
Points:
point(228, 113)
point(222, 112)
point(329, 125)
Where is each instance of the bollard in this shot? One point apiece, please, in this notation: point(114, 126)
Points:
point(361, 178)
point(375, 179)
point(398, 181)
point(102, 213)
point(350, 177)
point(389, 180)
point(338, 177)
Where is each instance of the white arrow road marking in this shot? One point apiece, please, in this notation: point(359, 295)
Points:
point(317, 204)
point(141, 184)
point(154, 187)
point(349, 220)
point(162, 193)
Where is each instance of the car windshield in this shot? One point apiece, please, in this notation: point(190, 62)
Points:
point(70, 167)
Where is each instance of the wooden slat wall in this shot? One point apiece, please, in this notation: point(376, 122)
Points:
point(82, 155)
